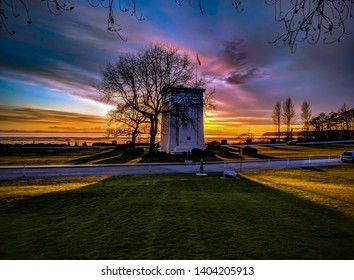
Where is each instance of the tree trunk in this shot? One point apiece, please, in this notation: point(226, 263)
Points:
point(153, 133)
point(287, 133)
point(135, 134)
point(134, 139)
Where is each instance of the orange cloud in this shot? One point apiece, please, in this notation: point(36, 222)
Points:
point(38, 119)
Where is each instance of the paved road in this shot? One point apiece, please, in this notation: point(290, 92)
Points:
point(17, 172)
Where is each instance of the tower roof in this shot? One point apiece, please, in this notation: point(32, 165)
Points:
point(187, 89)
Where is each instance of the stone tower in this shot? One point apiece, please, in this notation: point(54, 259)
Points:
point(176, 136)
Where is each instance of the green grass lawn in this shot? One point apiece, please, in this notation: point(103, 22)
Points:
point(51, 156)
point(288, 151)
point(276, 152)
point(47, 156)
point(305, 213)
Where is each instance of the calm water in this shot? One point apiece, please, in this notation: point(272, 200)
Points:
point(57, 138)
point(81, 138)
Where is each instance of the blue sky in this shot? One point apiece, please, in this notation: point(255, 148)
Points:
point(53, 64)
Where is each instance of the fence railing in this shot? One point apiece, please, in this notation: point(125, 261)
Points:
point(277, 163)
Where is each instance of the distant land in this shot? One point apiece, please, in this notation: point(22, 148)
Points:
point(78, 139)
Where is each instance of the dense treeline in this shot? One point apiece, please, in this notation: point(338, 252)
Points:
point(323, 127)
point(331, 127)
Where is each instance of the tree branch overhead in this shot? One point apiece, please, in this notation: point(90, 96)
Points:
point(303, 20)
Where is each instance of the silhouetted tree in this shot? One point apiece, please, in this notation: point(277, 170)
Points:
point(125, 122)
point(312, 20)
point(303, 20)
point(277, 117)
point(351, 119)
point(209, 100)
point(288, 115)
point(143, 81)
point(319, 123)
point(345, 116)
point(306, 115)
point(332, 127)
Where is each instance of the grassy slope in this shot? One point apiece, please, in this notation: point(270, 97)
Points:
point(58, 156)
point(107, 156)
point(283, 214)
point(276, 152)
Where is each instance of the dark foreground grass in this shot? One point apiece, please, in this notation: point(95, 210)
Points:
point(181, 216)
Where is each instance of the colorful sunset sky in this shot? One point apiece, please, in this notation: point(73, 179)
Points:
point(48, 69)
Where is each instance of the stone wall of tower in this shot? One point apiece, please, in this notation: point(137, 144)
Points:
point(176, 136)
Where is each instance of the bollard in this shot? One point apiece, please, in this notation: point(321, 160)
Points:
point(201, 169)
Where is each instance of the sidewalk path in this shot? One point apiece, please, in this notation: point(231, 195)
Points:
point(21, 172)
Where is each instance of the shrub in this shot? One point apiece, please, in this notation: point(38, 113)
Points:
point(197, 152)
point(249, 151)
point(133, 152)
point(202, 153)
point(208, 153)
point(122, 147)
point(98, 144)
point(215, 145)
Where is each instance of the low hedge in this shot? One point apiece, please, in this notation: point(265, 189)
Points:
point(133, 152)
point(122, 147)
point(249, 151)
point(202, 153)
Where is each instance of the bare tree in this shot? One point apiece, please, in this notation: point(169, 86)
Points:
point(306, 115)
point(13, 9)
point(334, 126)
point(277, 117)
point(288, 116)
point(351, 123)
point(346, 119)
point(312, 20)
point(319, 125)
point(303, 20)
point(143, 82)
point(209, 100)
point(123, 121)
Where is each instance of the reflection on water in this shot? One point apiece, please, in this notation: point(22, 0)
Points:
point(89, 138)
point(58, 138)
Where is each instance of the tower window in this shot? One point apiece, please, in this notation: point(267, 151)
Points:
point(188, 138)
